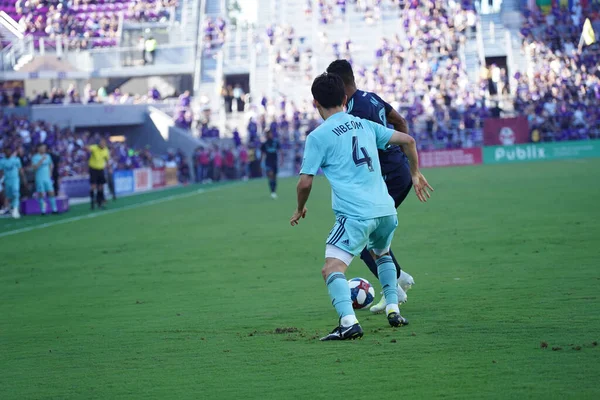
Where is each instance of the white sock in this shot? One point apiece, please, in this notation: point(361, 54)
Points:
point(349, 320)
point(391, 308)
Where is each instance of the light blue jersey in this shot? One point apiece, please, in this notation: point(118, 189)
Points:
point(43, 172)
point(11, 167)
point(345, 147)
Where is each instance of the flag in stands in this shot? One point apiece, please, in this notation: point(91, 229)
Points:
point(587, 34)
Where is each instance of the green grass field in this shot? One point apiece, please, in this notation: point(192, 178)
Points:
point(183, 298)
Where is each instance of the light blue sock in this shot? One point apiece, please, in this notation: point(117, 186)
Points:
point(53, 204)
point(42, 204)
point(386, 269)
point(339, 291)
point(15, 202)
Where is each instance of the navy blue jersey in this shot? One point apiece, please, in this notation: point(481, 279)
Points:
point(369, 106)
point(270, 148)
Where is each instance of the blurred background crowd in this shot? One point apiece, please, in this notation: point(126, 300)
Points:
point(420, 70)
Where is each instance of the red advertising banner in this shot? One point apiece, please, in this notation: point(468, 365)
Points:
point(505, 131)
point(449, 158)
point(141, 179)
point(159, 178)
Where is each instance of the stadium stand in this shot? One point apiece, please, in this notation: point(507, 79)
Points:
point(83, 21)
point(473, 63)
point(561, 91)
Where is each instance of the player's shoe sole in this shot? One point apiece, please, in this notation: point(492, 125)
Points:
point(344, 333)
point(395, 320)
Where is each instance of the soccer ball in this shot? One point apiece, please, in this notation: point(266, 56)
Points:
point(361, 292)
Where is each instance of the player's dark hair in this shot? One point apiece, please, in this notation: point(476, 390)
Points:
point(328, 90)
point(343, 69)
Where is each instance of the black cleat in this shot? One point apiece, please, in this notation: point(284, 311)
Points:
point(55, 213)
point(345, 333)
point(396, 319)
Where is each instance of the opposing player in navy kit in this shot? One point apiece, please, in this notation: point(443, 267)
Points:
point(399, 174)
point(270, 153)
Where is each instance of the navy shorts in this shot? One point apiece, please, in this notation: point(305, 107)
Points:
point(272, 168)
point(399, 184)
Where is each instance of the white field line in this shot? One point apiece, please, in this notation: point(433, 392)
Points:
point(108, 212)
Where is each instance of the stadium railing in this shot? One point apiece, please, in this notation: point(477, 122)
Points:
point(168, 58)
point(9, 29)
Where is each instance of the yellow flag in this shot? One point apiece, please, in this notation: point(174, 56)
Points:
point(588, 34)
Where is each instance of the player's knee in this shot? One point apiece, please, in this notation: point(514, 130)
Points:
point(324, 273)
point(331, 266)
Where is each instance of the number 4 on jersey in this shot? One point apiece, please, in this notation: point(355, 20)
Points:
point(356, 156)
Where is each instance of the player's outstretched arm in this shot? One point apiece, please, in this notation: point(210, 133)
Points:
point(303, 191)
point(409, 146)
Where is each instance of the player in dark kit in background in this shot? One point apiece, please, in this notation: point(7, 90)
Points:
point(270, 154)
point(55, 176)
point(396, 170)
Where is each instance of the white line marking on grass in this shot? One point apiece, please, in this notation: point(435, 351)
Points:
point(107, 212)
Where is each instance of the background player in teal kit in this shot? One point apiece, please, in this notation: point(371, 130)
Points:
point(345, 148)
point(42, 165)
point(13, 170)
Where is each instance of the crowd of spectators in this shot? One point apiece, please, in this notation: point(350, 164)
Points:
point(329, 11)
point(560, 93)
point(24, 136)
point(214, 33)
point(87, 23)
point(418, 72)
point(290, 53)
point(184, 115)
point(421, 74)
point(14, 96)
point(214, 163)
point(234, 98)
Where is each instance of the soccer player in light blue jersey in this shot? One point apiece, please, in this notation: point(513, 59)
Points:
point(42, 165)
point(345, 148)
point(13, 170)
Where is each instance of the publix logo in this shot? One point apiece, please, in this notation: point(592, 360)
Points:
point(520, 153)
